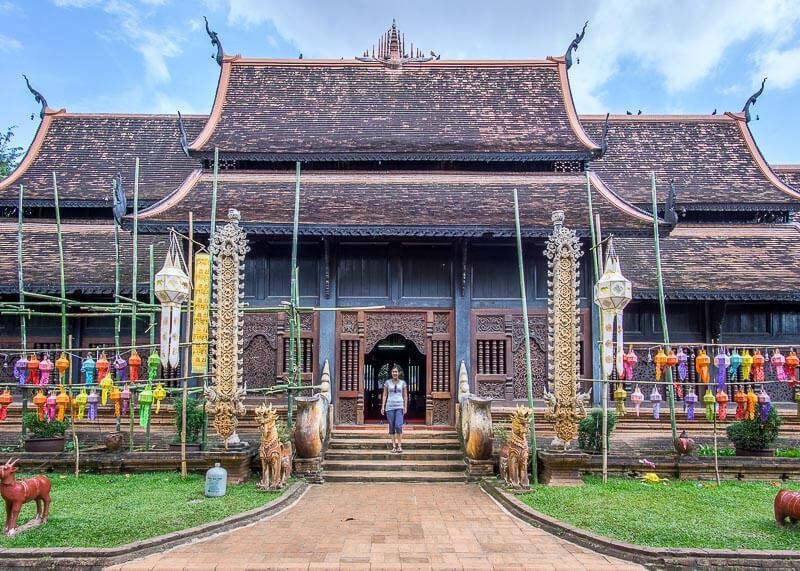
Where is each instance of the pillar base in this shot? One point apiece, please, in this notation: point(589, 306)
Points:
point(478, 469)
point(310, 469)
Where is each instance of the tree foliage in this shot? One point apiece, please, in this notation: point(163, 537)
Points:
point(9, 154)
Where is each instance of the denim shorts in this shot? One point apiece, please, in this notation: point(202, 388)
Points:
point(395, 418)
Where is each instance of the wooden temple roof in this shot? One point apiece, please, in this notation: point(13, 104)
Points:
point(396, 203)
point(713, 159)
point(86, 151)
point(88, 258)
point(790, 174)
point(717, 262)
point(287, 110)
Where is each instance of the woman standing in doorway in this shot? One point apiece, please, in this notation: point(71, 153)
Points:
point(394, 405)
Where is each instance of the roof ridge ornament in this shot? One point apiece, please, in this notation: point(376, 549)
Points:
point(604, 140)
point(220, 55)
point(573, 46)
point(391, 50)
point(182, 135)
point(120, 207)
point(38, 97)
point(670, 213)
point(752, 101)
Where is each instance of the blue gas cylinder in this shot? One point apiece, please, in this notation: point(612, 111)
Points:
point(216, 481)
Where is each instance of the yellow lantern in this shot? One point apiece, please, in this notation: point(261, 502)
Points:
point(159, 394)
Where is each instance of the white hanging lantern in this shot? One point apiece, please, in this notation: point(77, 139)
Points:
point(612, 293)
point(172, 288)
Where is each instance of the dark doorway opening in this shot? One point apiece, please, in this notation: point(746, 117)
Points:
point(394, 350)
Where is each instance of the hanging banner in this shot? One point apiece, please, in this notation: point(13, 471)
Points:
point(202, 299)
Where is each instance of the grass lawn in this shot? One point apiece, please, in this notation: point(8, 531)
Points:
point(98, 510)
point(678, 514)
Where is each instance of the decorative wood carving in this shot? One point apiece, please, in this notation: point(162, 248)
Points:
point(349, 323)
point(326, 244)
point(441, 323)
point(307, 322)
point(492, 389)
point(441, 411)
point(411, 325)
point(260, 341)
point(491, 324)
point(537, 326)
point(347, 411)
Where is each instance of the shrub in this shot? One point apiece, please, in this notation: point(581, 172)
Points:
point(284, 434)
point(194, 417)
point(41, 428)
point(787, 453)
point(590, 430)
point(500, 432)
point(708, 450)
point(755, 434)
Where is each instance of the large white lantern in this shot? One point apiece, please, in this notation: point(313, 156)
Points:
point(612, 293)
point(171, 285)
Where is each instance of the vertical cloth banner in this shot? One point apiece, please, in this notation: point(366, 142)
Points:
point(202, 298)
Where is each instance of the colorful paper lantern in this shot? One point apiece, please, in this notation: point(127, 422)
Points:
point(747, 364)
point(116, 398)
point(792, 361)
point(62, 364)
point(50, 406)
point(752, 402)
point(93, 400)
point(135, 362)
point(33, 369)
point(63, 401)
point(709, 401)
point(89, 369)
point(796, 399)
point(629, 361)
point(21, 370)
point(683, 365)
point(145, 403)
point(758, 366)
point(655, 398)
point(736, 362)
point(722, 404)
point(106, 384)
point(102, 365)
point(764, 404)
point(153, 363)
point(701, 364)
point(661, 362)
point(39, 400)
point(171, 287)
point(125, 397)
point(690, 402)
point(612, 293)
point(740, 398)
point(45, 368)
point(637, 398)
point(6, 399)
point(82, 400)
point(158, 395)
point(619, 398)
point(120, 366)
point(778, 361)
point(721, 362)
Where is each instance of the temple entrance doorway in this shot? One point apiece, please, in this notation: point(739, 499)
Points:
point(394, 350)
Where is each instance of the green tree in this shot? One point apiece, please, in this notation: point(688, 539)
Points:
point(8, 153)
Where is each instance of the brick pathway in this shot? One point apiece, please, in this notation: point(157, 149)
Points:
point(385, 526)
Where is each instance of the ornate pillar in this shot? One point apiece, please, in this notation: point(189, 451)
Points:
point(228, 246)
point(564, 405)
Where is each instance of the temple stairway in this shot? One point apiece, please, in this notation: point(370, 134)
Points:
point(363, 454)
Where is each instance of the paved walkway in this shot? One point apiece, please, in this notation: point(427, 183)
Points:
point(385, 526)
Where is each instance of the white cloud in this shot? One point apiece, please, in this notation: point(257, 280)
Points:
point(76, 3)
point(781, 67)
point(9, 44)
point(682, 41)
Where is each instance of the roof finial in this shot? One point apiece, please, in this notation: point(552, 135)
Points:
point(574, 45)
point(182, 134)
point(604, 141)
point(215, 42)
point(752, 101)
point(120, 201)
point(37, 96)
point(670, 215)
point(391, 50)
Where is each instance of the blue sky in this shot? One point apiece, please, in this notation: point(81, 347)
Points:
point(660, 57)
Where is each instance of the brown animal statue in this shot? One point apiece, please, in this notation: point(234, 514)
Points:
point(787, 504)
point(276, 457)
point(514, 451)
point(16, 494)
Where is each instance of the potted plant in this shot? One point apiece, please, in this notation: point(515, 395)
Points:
point(43, 436)
point(194, 422)
point(590, 430)
point(755, 437)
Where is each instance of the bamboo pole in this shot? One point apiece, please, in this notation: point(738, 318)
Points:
point(152, 331)
point(525, 327)
point(603, 375)
point(60, 264)
point(75, 443)
point(118, 319)
point(22, 324)
point(662, 307)
point(187, 367)
point(135, 269)
point(212, 229)
point(294, 325)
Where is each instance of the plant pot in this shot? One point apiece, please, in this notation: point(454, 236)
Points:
point(757, 452)
point(190, 447)
point(44, 444)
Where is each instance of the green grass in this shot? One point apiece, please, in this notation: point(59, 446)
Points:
point(678, 514)
point(111, 510)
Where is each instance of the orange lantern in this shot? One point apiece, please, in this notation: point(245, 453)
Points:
point(672, 358)
point(722, 401)
point(102, 365)
point(62, 364)
point(39, 401)
point(116, 398)
point(660, 361)
point(758, 366)
point(33, 370)
point(740, 398)
point(62, 400)
point(5, 400)
point(135, 361)
point(792, 361)
point(701, 363)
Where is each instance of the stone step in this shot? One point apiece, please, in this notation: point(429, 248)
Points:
point(385, 444)
point(383, 433)
point(397, 476)
point(369, 454)
point(393, 465)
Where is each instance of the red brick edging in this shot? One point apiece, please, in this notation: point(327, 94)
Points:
point(653, 557)
point(100, 557)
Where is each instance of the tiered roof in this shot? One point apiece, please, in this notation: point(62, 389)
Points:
point(87, 150)
point(286, 110)
point(713, 159)
point(88, 258)
point(397, 203)
point(790, 174)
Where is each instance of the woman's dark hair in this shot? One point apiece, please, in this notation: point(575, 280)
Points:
point(395, 368)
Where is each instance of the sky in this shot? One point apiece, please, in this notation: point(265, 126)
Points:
point(153, 56)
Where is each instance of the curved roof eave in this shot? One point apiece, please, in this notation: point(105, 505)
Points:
point(33, 150)
point(219, 100)
point(569, 106)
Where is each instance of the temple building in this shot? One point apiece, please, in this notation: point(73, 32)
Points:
point(407, 169)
